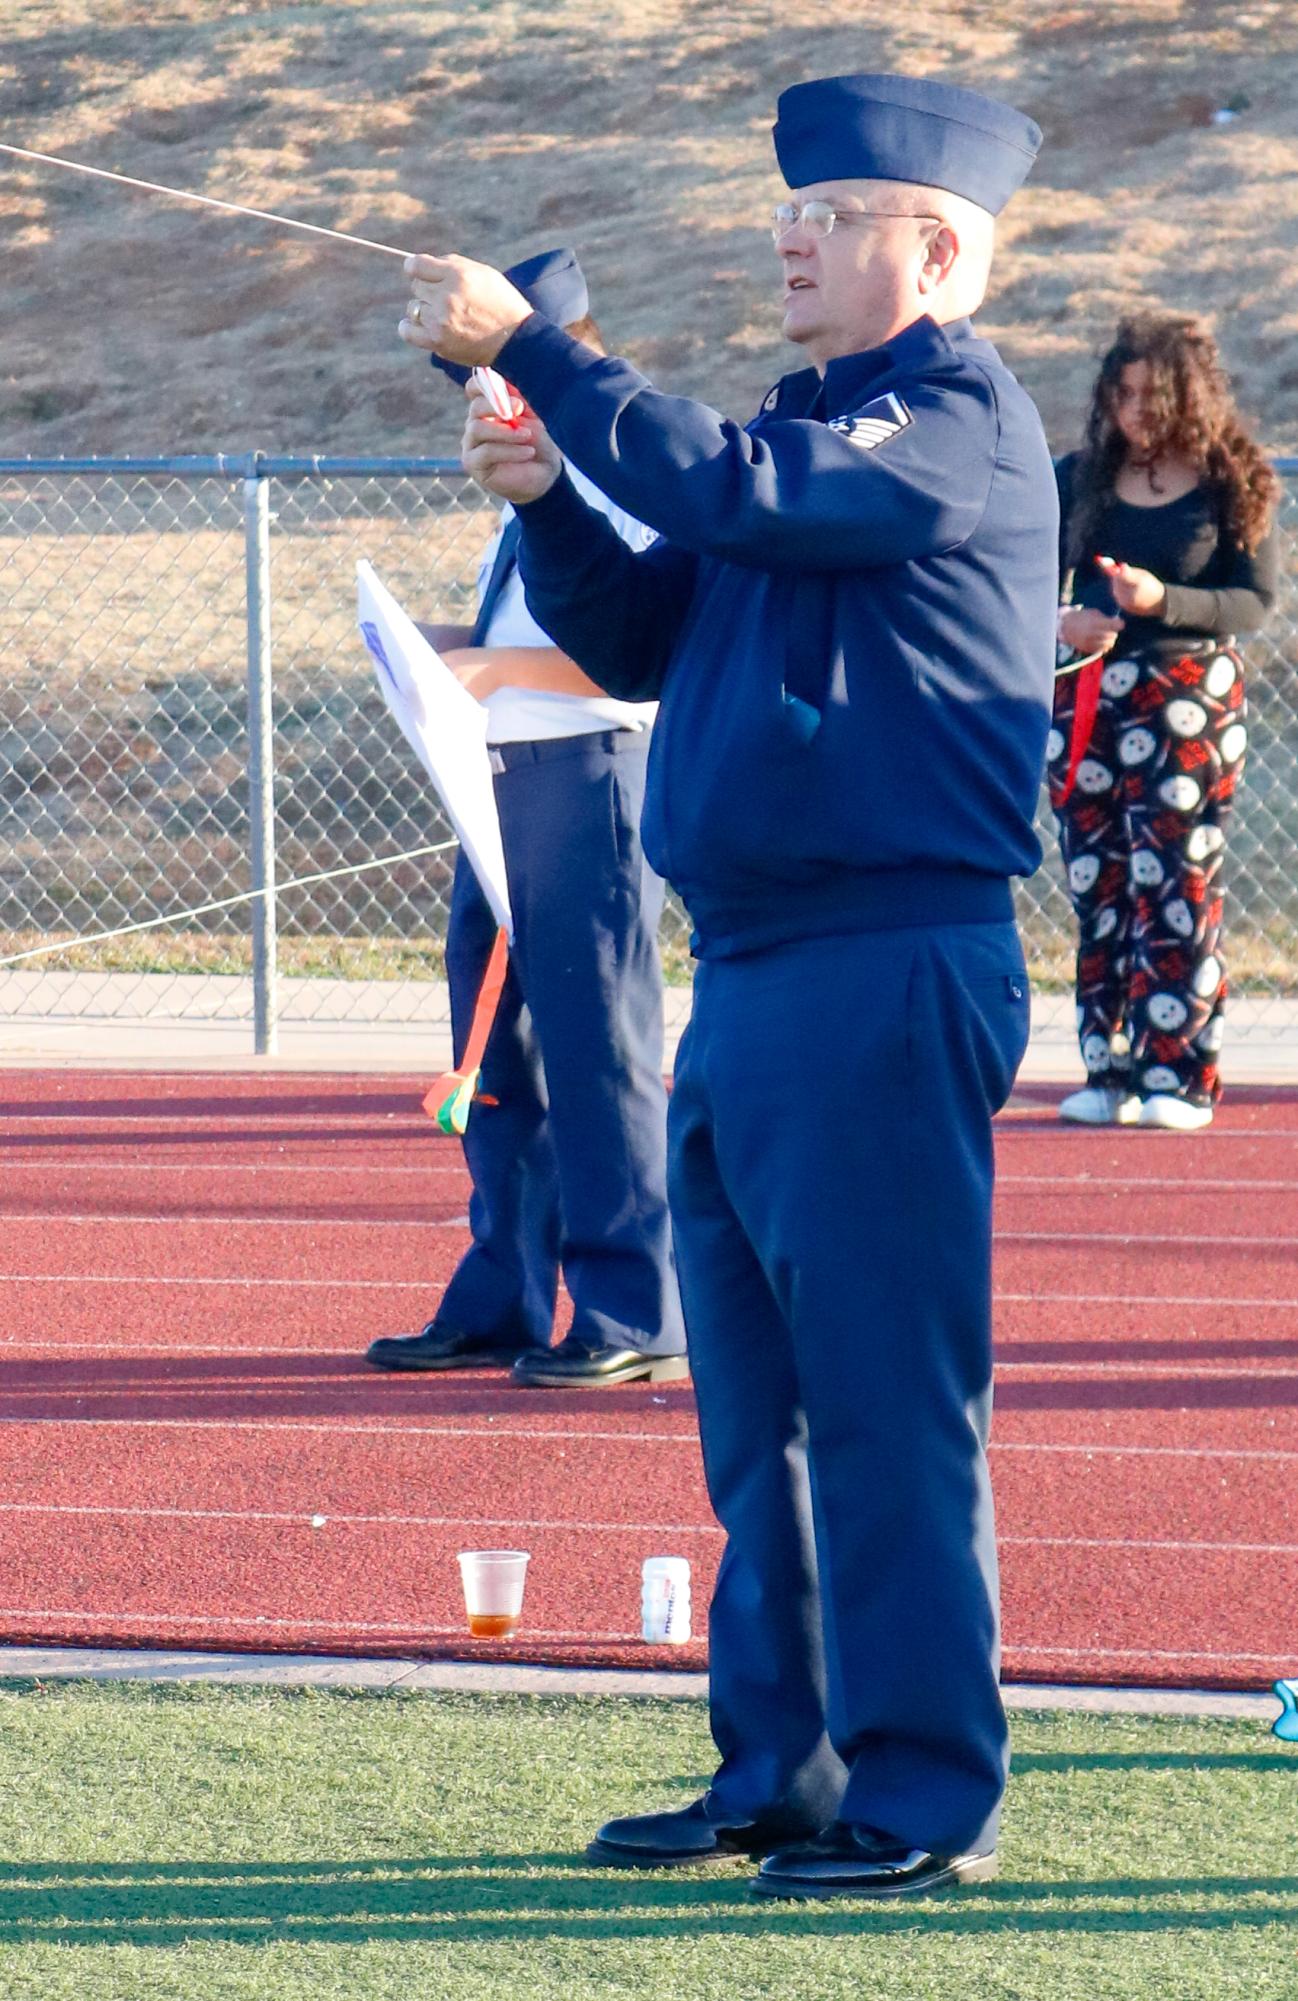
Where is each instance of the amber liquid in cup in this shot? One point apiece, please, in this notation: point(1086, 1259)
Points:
point(492, 1625)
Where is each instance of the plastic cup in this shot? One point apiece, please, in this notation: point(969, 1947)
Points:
point(665, 1600)
point(493, 1582)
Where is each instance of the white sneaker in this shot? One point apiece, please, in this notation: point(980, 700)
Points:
point(1174, 1115)
point(1100, 1105)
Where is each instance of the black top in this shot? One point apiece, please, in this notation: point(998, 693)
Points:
point(1214, 588)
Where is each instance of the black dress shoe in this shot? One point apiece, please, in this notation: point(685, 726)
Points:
point(577, 1365)
point(437, 1347)
point(849, 1861)
point(671, 1840)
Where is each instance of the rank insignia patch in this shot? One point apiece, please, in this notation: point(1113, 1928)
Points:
point(875, 424)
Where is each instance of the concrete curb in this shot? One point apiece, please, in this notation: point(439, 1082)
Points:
point(196, 1022)
point(481, 1678)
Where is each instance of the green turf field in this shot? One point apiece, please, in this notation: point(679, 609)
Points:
point(204, 1843)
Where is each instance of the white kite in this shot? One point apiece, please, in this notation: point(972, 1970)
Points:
point(445, 728)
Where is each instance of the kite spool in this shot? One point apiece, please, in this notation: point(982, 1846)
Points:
point(496, 391)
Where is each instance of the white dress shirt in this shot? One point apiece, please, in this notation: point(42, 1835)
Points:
point(522, 715)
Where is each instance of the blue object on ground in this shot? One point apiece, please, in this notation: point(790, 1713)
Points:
point(1286, 1723)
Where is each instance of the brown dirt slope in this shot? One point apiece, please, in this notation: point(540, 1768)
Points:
point(638, 132)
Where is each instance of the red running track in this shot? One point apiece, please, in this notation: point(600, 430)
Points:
point(192, 1452)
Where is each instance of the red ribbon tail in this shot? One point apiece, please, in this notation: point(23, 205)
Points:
point(1085, 709)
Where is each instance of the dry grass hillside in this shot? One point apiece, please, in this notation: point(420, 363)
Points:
point(637, 131)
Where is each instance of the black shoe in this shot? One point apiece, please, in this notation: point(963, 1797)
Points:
point(576, 1365)
point(671, 1840)
point(437, 1347)
point(849, 1861)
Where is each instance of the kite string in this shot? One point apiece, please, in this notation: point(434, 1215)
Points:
point(228, 902)
point(208, 201)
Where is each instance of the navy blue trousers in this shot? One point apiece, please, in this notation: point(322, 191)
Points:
point(830, 1157)
point(569, 1167)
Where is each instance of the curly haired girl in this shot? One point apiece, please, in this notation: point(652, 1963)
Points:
point(1168, 553)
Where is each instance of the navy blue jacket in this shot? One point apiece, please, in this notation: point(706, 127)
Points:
point(849, 621)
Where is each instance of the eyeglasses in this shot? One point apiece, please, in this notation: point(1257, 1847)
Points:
point(818, 217)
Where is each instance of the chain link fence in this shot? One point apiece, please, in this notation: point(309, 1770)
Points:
point(145, 770)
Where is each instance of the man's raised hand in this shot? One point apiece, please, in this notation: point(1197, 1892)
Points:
point(461, 310)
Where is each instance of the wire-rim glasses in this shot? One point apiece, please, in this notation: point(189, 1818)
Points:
point(818, 218)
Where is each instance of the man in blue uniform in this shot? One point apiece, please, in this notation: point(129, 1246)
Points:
point(567, 1146)
point(849, 621)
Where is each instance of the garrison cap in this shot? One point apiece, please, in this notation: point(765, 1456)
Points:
point(553, 283)
point(882, 127)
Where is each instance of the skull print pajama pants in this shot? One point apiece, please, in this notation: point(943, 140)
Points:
point(1143, 837)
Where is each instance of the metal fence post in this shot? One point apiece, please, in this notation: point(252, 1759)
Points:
point(261, 759)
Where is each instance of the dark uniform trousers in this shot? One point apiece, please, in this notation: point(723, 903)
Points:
point(568, 1167)
point(830, 1156)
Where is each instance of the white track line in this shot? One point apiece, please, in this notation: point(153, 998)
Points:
point(1183, 1240)
point(202, 1219)
point(268, 1356)
point(174, 1351)
point(255, 1622)
point(135, 1278)
point(258, 1349)
point(420, 1285)
point(527, 1523)
point(1200, 1299)
point(1011, 1129)
point(1100, 1184)
point(490, 1430)
point(319, 1080)
point(1093, 1184)
point(1007, 1343)
point(1143, 1371)
point(235, 1113)
point(487, 1430)
point(1149, 1542)
point(338, 1169)
point(203, 1222)
point(364, 1521)
point(201, 1124)
point(189, 1221)
point(480, 1432)
point(1097, 1451)
point(1043, 1649)
point(1096, 1183)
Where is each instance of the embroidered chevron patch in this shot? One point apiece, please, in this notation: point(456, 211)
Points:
point(874, 425)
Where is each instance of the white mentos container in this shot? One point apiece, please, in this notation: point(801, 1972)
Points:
point(665, 1600)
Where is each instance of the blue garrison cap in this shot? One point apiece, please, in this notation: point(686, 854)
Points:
point(904, 128)
point(553, 283)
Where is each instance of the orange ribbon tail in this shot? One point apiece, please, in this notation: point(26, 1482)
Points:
point(449, 1098)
